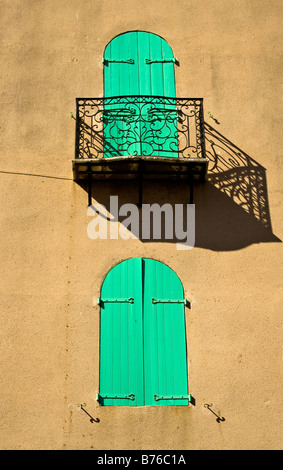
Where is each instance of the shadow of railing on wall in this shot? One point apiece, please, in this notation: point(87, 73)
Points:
point(237, 175)
point(232, 208)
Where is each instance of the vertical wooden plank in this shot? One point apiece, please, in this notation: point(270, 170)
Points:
point(136, 358)
point(123, 89)
point(168, 71)
point(157, 79)
point(133, 69)
point(155, 83)
point(124, 68)
point(115, 67)
point(135, 89)
point(115, 79)
point(122, 79)
point(143, 51)
point(163, 84)
point(106, 339)
point(107, 71)
point(144, 71)
point(150, 336)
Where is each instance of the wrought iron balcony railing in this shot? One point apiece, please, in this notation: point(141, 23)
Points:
point(141, 138)
point(140, 126)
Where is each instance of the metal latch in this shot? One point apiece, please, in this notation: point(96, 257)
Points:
point(172, 397)
point(118, 397)
point(129, 301)
point(153, 61)
point(125, 61)
point(171, 301)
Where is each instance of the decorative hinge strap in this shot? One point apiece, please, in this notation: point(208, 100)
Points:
point(129, 301)
point(153, 61)
point(172, 397)
point(118, 397)
point(171, 301)
point(123, 61)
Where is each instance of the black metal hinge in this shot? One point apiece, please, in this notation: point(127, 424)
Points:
point(172, 397)
point(171, 301)
point(161, 61)
point(118, 61)
point(131, 396)
point(129, 301)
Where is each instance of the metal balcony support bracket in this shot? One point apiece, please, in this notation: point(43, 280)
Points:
point(140, 180)
point(191, 184)
point(89, 179)
point(141, 169)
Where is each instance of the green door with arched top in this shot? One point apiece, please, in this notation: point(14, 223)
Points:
point(139, 87)
point(143, 357)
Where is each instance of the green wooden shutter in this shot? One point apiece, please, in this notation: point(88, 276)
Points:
point(139, 63)
point(143, 339)
point(121, 336)
point(165, 354)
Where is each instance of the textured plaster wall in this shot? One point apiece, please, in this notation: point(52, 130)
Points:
point(230, 54)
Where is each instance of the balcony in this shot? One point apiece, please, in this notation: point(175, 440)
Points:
point(139, 138)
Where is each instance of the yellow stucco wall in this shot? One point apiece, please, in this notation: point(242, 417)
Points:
point(230, 54)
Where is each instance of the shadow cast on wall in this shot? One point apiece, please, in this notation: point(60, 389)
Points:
point(234, 209)
point(231, 208)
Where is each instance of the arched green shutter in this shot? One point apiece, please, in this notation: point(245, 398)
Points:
point(165, 354)
point(139, 63)
point(143, 356)
point(121, 340)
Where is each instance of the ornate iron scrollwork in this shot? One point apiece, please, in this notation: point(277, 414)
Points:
point(140, 125)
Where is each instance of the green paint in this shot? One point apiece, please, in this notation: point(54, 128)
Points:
point(143, 344)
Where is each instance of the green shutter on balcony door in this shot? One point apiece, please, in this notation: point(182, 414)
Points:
point(139, 63)
point(143, 356)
